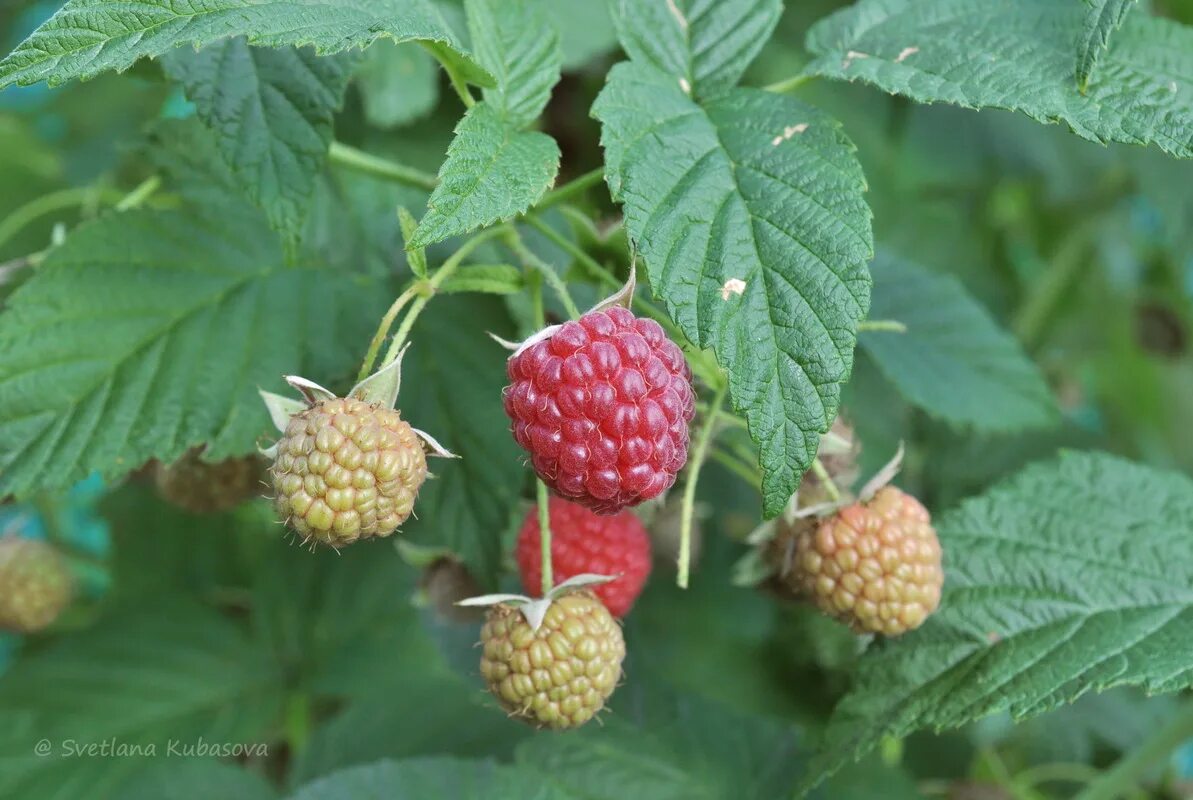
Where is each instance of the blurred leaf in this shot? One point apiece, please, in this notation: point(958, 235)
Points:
point(149, 332)
point(145, 677)
point(585, 29)
point(190, 779)
point(399, 83)
point(953, 361)
point(87, 37)
point(707, 44)
point(673, 749)
point(440, 778)
point(868, 780)
point(394, 723)
point(1017, 55)
point(1059, 581)
point(1102, 18)
point(452, 386)
point(271, 112)
point(748, 210)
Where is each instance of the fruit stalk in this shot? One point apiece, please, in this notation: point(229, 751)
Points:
point(548, 581)
point(688, 509)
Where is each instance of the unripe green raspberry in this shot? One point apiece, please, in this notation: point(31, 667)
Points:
point(560, 675)
point(345, 470)
point(202, 487)
point(35, 584)
point(874, 566)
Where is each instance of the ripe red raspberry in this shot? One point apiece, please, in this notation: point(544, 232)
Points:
point(582, 542)
point(602, 406)
point(874, 566)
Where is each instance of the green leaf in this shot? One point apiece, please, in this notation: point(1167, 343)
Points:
point(145, 678)
point(451, 388)
point(441, 778)
point(487, 278)
point(670, 750)
point(271, 112)
point(1073, 576)
point(585, 29)
point(190, 779)
point(1102, 18)
point(1018, 55)
point(492, 172)
point(953, 361)
point(149, 332)
point(749, 213)
point(399, 84)
point(87, 37)
point(515, 42)
point(706, 44)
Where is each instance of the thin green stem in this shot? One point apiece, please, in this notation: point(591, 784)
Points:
point(428, 288)
point(459, 84)
point(1072, 257)
point(140, 194)
point(573, 187)
point(544, 536)
point(351, 158)
point(514, 241)
point(298, 721)
point(383, 330)
point(892, 325)
point(747, 472)
point(822, 475)
point(1057, 772)
point(789, 84)
point(1117, 780)
point(61, 200)
point(688, 508)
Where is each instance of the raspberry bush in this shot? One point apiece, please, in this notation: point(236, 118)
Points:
point(596, 398)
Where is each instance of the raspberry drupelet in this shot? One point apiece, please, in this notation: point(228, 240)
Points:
point(602, 406)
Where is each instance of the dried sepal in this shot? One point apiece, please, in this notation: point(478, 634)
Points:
point(382, 386)
point(313, 392)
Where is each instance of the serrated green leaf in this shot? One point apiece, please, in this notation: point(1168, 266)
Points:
point(165, 672)
point(1073, 576)
point(147, 333)
point(514, 41)
point(953, 361)
point(748, 211)
point(398, 83)
point(441, 778)
point(486, 278)
point(492, 172)
point(192, 779)
point(1018, 54)
point(1102, 18)
point(452, 382)
point(707, 44)
point(87, 37)
point(271, 112)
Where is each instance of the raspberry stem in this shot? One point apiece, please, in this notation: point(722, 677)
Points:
point(426, 289)
point(383, 330)
point(369, 164)
point(891, 325)
point(513, 240)
point(688, 509)
point(822, 475)
point(548, 582)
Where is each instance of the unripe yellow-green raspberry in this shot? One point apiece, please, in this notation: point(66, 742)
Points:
point(560, 675)
point(35, 584)
point(202, 487)
point(347, 470)
point(874, 566)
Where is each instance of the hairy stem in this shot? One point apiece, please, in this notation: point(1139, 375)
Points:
point(427, 289)
point(383, 330)
point(529, 260)
point(369, 164)
point(688, 508)
point(573, 187)
point(548, 582)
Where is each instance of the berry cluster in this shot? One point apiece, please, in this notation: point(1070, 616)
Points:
point(602, 406)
